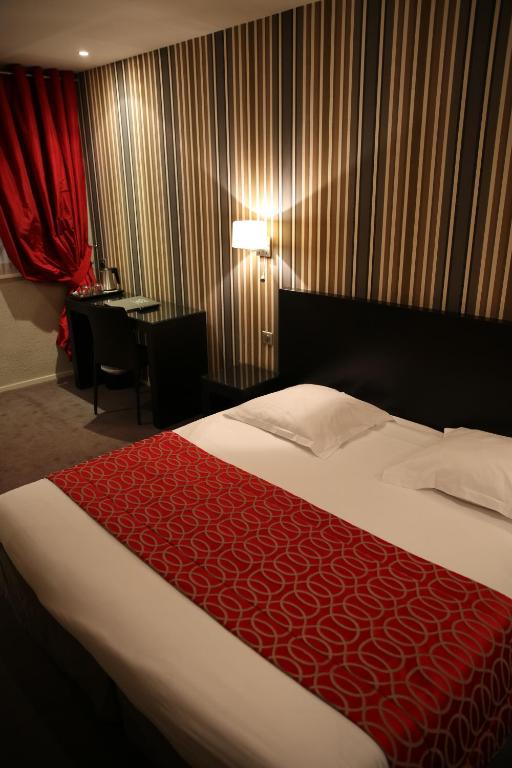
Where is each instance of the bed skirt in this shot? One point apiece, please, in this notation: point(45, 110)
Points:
point(110, 706)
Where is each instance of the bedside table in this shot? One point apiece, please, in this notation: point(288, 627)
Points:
point(235, 385)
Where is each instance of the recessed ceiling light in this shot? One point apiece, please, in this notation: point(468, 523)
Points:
point(83, 53)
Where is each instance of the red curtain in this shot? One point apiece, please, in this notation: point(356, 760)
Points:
point(43, 209)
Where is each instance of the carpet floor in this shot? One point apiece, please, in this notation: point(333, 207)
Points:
point(50, 426)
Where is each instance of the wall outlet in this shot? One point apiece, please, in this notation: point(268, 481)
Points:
point(267, 338)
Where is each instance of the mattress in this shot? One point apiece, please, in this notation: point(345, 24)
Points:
point(216, 700)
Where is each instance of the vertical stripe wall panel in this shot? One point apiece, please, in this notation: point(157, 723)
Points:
point(373, 136)
point(105, 168)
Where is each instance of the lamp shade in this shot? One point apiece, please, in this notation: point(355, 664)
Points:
point(250, 234)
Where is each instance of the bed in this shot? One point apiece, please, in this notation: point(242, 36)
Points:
point(213, 698)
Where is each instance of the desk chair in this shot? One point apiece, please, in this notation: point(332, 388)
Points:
point(115, 345)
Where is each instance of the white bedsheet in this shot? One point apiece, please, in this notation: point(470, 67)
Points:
point(218, 701)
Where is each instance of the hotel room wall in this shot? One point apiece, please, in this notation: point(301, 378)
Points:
point(373, 136)
point(29, 320)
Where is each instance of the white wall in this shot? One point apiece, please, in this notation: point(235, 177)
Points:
point(29, 316)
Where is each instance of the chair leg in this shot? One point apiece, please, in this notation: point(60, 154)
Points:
point(137, 393)
point(95, 381)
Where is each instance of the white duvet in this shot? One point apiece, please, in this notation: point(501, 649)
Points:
point(215, 699)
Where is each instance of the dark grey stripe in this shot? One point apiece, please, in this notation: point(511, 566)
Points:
point(170, 148)
point(298, 214)
point(473, 116)
point(451, 149)
point(224, 191)
point(286, 147)
point(371, 65)
point(127, 165)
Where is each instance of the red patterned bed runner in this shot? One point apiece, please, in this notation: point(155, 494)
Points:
point(417, 656)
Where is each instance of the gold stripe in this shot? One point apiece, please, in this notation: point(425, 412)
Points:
point(329, 153)
point(320, 137)
point(311, 141)
point(185, 137)
point(173, 255)
point(302, 283)
point(432, 169)
point(339, 165)
point(176, 184)
point(347, 169)
point(419, 183)
point(218, 207)
point(359, 141)
point(294, 145)
point(164, 233)
point(184, 172)
point(216, 325)
point(239, 191)
point(194, 255)
point(265, 150)
point(412, 102)
point(271, 168)
point(228, 153)
point(397, 153)
point(205, 285)
point(376, 150)
point(262, 355)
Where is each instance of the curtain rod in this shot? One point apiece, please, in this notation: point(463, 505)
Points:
point(28, 74)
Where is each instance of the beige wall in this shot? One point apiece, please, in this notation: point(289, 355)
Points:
point(29, 314)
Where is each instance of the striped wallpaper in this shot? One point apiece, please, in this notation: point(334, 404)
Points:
point(374, 136)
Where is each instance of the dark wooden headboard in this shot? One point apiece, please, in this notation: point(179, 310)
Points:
point(439, 369)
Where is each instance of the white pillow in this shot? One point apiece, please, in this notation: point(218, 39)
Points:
point(319, 418)
point(470, 464)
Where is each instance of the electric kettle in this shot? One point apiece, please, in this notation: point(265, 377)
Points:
point(109, 278)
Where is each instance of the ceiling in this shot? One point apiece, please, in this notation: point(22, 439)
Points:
point(49, 33)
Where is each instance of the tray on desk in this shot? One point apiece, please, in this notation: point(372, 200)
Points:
point(103, 294)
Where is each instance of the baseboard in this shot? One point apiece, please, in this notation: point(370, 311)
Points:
point(37, 380)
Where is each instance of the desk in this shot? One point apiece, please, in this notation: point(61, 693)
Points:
point(175, 337)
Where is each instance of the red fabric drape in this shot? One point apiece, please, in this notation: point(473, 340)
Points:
point(43, 209)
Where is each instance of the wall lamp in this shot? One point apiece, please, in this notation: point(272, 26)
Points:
point(251, 235)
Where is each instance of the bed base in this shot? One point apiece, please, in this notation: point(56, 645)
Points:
point(431, 367)
point(110, 706)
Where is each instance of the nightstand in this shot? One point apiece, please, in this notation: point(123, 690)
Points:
point(235, 385)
